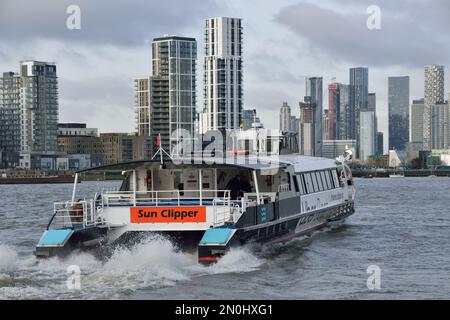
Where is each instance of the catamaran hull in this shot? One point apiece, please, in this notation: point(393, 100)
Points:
point(276, 232)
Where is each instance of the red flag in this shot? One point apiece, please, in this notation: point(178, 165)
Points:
point(158, 140)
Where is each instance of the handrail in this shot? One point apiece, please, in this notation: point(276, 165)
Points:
point(284, 187)
point(157, 196)
point(70, 214)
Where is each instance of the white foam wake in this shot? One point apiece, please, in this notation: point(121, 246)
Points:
point(8, 258)
point(152, 263)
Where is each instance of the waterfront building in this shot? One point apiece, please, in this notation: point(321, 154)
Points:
point(417, 116)
point(223, 74)
point(294, 125)
point(153, 109)
point(166, 101)
point(398, 109)
point(380, 143)
point(358, 95)
point(332, 149)
point(325, 123)
point(367, 135)
point(372, 106)
point(434, 94)
point(334, 111)
point(76, 129)
point(372, 102)
point(81, 144)
point(28, 111)
point(29, 108)
point(339, 112)
point(285, 117)
point(122, 147)
point(39, 106)
point(142, 103)
point(307, 127)
point(440, 126)
point(10, 112)
point(314, 90)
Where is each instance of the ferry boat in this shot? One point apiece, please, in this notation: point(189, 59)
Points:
point(206, 206)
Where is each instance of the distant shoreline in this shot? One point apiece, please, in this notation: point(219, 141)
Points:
point(407, 173)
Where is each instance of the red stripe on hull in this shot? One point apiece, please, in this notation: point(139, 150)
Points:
point(208, 258)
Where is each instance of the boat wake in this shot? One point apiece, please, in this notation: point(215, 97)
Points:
point(152, 263)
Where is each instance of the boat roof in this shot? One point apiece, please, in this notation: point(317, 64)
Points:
point(299, 162)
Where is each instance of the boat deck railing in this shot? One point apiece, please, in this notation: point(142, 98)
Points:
point(165, 197)
point(80, 214)
point(225, 209)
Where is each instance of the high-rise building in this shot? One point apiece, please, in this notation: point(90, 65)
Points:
point(417, 116)
point(325, 123)
point(152, 108)
point(307, 127)
point(10, 112)
point(39, 106)
point(398, 108)
point(372, 106)
point(333, 111)
point(175, 58)
point(359, 92)
point(29, 108)
point(434, 94)
point(314, 90)
point(440, 126)
point(372, 102)
point(223, 74)
point(285, 117)
point(367, 135)
point(380, 143)
point(338, 111)
point(142, 102)
point(166, 101)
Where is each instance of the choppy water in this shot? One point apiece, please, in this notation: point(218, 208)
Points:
point(401, 225)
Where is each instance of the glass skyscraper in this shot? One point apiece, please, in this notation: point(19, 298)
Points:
point(223, 83)
point(314, 90)
point(398, 108)
point(166, 101)
point(359, 92)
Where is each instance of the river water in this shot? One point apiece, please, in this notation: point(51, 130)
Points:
point(401, 228)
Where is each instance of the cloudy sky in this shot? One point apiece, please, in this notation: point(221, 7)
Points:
point(284, 41)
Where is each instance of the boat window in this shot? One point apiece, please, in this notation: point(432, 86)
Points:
point(319, 181)
point(330, 173)
point(309, 184)
point(314, 182)
point(325, 182)
point(329, 179)
point(289, 180)
point(295, 182)
point(303, 183)
point(335, 178)
point(300, 183)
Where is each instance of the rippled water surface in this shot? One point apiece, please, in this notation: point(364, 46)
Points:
point(401, 225)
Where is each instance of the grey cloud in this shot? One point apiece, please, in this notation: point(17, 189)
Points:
point(102, 22)
point(412, 34)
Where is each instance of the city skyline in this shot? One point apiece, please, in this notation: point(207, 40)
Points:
point(96, 54)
